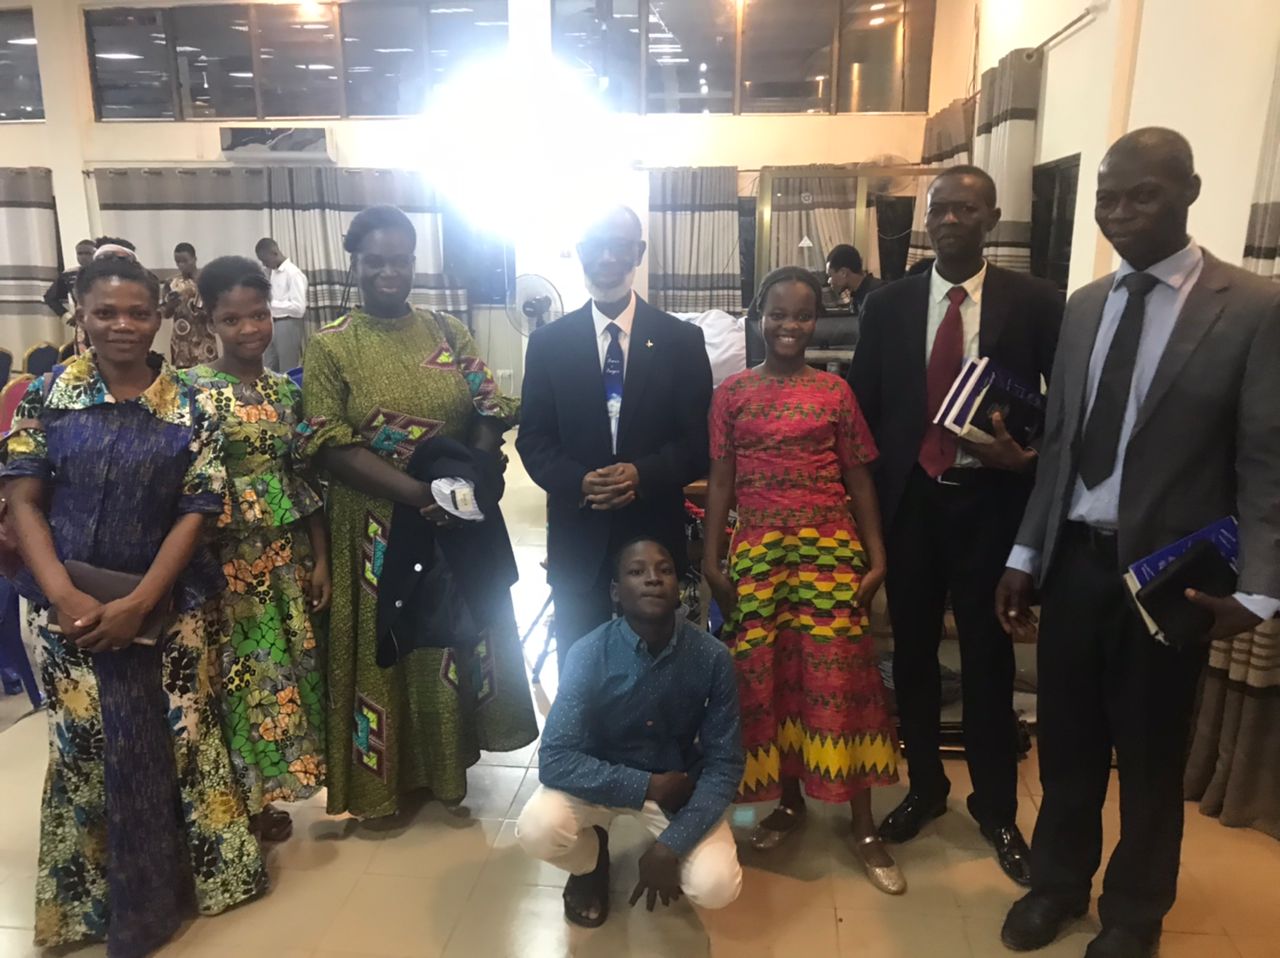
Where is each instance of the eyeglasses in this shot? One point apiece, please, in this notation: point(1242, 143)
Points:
point(620, 249)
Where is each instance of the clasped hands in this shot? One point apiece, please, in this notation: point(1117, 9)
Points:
point(613, 487)
point(660, 866)
point(100, 626)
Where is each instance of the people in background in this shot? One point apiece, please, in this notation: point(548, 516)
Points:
point(193, 341)
point(788, 445)
point(847, 278)
point(614, 426)
point(274, 551)
point(645, 723)
point(951, 509)
point(378, 382)
point(1162, 420)
point(288, 306)
point(60, 296)
point(115, 464)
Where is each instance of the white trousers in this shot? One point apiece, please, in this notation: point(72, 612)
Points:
point(560, 830)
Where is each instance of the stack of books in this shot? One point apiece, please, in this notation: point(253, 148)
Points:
point(1207, 561)
point(982, 389)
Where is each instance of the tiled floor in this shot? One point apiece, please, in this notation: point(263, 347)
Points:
point(454, 883)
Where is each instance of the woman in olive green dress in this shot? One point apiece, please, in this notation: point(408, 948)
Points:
point(375, 384)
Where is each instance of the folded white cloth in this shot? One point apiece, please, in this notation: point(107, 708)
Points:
point(458, 498)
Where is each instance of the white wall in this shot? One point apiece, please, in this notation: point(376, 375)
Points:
point(1206, 70)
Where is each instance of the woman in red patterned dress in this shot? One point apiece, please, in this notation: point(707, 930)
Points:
point(807, 556)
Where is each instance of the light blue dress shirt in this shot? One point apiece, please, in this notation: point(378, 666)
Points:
point(1100, 506)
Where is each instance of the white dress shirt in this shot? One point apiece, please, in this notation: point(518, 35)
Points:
point(1099, 507)
point(288, 291)
point(970, 317)
point(624, 321)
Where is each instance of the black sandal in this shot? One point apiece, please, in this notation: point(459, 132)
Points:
point(271, 825)
point(584, 893)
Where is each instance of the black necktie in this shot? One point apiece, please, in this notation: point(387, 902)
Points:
point(1102, 433)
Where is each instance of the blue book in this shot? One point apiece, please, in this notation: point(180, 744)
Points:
point(983, 389)
point(1224, 535)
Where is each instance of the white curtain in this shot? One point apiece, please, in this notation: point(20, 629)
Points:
point(1262, 245)
point(812, 211)
point(694, 259)
point(28, 262)
point(306, 210)
point(1005, 146)
point(948, 141)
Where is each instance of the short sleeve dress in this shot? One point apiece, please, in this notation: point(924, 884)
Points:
point(272, 680)
point(193, 341)
point(389, 385)
point(813, 702)
point(140, 812)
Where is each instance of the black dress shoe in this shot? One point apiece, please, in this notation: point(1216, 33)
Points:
point(1037, 919)
point(1123, 943)
point(1011, 852)
point(905, 821)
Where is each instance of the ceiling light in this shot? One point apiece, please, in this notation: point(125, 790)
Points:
point(350, 39)
point(119, 56)
point(702, 68)
point(24, 42)
point(669, 60)
point(878, 6)
point(876, 21)
point(241, 27)
point(315, 26)
point(241, 76)
point(188, 49)
point(359, 69)
point(393, 50)
point(315, 66)
point(453, 10)
point(490, 23)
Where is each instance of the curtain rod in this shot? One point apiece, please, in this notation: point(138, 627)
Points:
point(1090, 12)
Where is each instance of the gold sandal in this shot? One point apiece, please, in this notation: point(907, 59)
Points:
point(766, 839)
point(887, 878)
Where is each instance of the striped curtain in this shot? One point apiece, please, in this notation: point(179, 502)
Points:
point(28, 262)
point(1262, 245)
point(1005, 146)
point(306, 210)
point(694, 262)
point(813, 210)
point(1233, 769)
point(948, 141)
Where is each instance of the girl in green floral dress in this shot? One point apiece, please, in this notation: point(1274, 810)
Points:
point(274, 553)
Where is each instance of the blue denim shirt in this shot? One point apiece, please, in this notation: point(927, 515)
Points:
point(621, 715)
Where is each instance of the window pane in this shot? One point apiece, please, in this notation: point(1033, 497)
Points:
point(129, 59)
point(885, 53)
point(20, 97)
point(786, 56)
point(299, 52)
point(215, 61)
point(462, 33)
point(603, 47)
point(384, 46)
point(691, 56)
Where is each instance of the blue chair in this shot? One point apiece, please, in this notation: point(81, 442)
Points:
point(40, 359)
point(6, 365)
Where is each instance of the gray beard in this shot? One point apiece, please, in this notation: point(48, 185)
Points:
point(612, 294)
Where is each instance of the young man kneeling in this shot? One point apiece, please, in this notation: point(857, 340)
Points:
point(645, 723)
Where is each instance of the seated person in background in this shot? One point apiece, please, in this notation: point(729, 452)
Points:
point(635, 695)
point(847, 279)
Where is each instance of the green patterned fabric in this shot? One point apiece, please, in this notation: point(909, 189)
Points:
point(388, 385)
point(272, 681)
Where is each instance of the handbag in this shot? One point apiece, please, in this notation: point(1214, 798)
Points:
point(105, 585)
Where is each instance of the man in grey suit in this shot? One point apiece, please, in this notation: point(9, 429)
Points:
point(1163, 417)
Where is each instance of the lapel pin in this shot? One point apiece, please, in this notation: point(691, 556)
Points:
point(649, 344)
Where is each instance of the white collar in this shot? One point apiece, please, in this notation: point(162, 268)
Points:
point(1173, 270)
point(939, 287)
point(625, 319)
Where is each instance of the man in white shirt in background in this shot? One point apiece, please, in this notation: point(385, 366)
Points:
point(288, 307)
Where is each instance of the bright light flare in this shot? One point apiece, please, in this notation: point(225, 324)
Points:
point(522, 149)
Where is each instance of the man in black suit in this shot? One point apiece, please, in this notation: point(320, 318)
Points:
point(1162, 419)
point(613, 470)
point(951, 509)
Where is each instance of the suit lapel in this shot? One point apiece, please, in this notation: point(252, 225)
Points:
point(583, 359)
point(1075, 372)
point(995, 311)
point(915, 326)
point(640, 352)
point(1199, 314)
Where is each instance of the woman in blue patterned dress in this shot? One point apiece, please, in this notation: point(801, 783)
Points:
point(115, 463)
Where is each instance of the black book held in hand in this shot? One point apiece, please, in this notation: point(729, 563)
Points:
point(1203, 568)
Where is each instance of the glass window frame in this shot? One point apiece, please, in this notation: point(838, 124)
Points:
point(31, 116)
point(166, 15)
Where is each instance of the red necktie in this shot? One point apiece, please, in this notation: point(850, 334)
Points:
point(938, 451)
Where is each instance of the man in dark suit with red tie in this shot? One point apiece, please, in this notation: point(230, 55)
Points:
point(613, 426)
point(951, 509)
